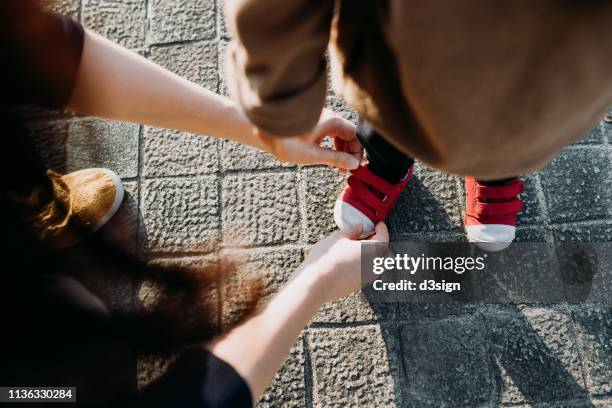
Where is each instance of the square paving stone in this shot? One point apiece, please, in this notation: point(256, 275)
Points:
point(340, 106)
point(181, 20)
point(121, 21)
point(591, 279)
point(530, 234)
point(260, 209)
point(578, 185)
point(48, 139)
point(355, 308)
point(446, 363)
point(319, 189)
point(354, 367)
point(267, 268)
point(180, 214)
point(183, 297)
point(68, 8)
point(594, 136)
point(103, 143)
point(535, 356)
point(596, 232)
point(223, 30)
point(523, 273)
point(196, 61)
point(149, 367)
point(531, 214)
point(430, 203)
point(288, 388)
point(236, 156)
point(173, 153)
point(594, 333)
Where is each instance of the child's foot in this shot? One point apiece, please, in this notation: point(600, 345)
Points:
point(367, 199)
point(490, 213)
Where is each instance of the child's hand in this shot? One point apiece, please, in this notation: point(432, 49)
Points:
point(334, 263)
point(307, 149)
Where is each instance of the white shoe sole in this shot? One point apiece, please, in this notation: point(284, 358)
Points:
point(491, 237)
point(119, 193)
point(345, 216)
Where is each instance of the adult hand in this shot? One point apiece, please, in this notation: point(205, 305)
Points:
point(307, 149)
point(335, 262)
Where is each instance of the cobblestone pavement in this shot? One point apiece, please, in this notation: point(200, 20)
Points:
point(191, 198)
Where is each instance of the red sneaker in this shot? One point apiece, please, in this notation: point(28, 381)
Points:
point(490, 213)
point(367, 199)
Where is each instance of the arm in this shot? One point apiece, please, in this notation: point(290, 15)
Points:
point(115, 83)
point(331, 271)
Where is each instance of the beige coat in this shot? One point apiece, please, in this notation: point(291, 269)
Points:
point(475, 87)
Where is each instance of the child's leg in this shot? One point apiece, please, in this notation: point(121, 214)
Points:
point(384, 159)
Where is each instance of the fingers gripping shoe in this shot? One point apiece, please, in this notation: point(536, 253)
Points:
point(490, 213)
point(367, 199)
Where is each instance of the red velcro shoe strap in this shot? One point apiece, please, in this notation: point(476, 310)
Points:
point(364, 194)
point(382, 185)
point(509, 207)
point(498, 192)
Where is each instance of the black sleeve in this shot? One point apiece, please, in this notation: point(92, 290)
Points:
point(42, 53)
point(198, 379)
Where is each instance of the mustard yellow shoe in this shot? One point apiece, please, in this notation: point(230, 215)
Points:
point(82, 202)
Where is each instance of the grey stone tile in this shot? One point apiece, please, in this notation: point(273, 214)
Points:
point(338, 105)
point(530, 234)
point(586, 267)
point(260, 209)
point(319, 189)
point(154, 294)
point(236, 156)
point(152, 366)
point(68, 8)
point(48, 139)
point(578, 185)
point(355, 308)
point(522, 273)
point(288, 388)
point(341, 380)
point(261, 271)
point(196, 61)
point(183, 297)
point(430, 203)
point(103, 143)
point(173, 153)
point(593, 136)
point(121, 21)
point(594, 334)
point(180, 214)
point(446, 363)
point(535, 356)
point(596, 232)
point(531, 214)
point(223, 30)
point(181, 20)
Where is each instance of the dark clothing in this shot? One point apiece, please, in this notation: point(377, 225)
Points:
point(59, 327)
point(387, 162)
point(41, 54)
point(384, 159)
